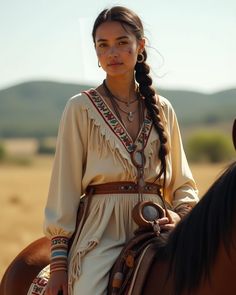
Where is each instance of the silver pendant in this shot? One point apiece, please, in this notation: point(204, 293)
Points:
point(130, 117)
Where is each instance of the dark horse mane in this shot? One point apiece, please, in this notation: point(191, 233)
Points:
point(192, 246)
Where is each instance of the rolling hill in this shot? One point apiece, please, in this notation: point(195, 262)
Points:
point(33, 109)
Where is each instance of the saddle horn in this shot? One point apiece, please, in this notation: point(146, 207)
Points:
point(234, 133)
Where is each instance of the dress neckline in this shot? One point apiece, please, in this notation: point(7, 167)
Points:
point(116, 125)
point(118, 119)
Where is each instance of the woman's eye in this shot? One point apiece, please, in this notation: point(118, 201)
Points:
point(123, 43)
point(101, 45)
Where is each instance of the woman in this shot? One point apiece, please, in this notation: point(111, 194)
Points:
point(122, 140)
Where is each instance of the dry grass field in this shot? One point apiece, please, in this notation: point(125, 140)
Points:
point(23, 191)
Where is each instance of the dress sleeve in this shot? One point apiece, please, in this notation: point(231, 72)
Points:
point(182, 187)
point(65, 185)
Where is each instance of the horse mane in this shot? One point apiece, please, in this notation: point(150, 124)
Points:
point(192, 246)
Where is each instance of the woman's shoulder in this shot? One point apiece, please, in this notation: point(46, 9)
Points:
point(164, 102)
point(80, 97)
point(79, 100)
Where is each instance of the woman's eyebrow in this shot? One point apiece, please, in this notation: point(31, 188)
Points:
point(118, 38)
point(122, 37)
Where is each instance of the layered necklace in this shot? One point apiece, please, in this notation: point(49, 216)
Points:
point(137, 156)
point(114, 100)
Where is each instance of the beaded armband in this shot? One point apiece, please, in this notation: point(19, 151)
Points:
point(59, 249)
point(183, 210)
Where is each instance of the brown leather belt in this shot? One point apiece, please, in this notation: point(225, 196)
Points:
point(123, 187)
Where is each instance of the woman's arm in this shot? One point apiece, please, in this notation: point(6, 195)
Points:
point(65, 190)
point(181, 188)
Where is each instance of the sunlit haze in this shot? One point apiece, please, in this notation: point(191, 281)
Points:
point(193, 43)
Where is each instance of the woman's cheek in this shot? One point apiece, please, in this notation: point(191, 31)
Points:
point(128, 50)
point(100, 52)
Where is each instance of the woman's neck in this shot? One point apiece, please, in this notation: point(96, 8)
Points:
point(124, 89)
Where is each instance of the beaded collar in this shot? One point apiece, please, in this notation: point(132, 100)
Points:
point(117, 127)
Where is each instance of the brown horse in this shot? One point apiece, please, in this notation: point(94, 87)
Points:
point(198, 258)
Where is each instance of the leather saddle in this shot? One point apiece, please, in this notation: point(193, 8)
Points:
point(130, 270)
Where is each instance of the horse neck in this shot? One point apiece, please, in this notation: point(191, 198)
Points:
point(221, 271)
point(157, 282)
point(221, 279)
point(222, 275)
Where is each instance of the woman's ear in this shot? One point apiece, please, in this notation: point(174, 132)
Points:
point(142, 43)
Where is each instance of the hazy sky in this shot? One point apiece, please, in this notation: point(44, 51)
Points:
point(194, 41)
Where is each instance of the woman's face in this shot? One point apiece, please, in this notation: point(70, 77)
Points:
point(117, 48)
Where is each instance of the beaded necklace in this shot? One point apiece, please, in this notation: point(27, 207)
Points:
point(114, 99)
point(137, 156)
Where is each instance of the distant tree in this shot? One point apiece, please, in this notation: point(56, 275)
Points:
point(2, 152)
point(212, 119)
point(46, 146)
point(206, 146)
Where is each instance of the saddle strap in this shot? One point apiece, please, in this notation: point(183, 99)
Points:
point(142, 270)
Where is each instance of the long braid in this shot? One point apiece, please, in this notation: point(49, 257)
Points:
point(145, 81)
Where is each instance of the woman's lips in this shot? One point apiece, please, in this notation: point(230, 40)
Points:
point(114, 64)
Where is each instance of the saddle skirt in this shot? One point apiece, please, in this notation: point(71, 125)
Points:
point(39, 284)
point(129, 272)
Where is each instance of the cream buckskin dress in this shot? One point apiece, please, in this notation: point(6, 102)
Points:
point(93, 148)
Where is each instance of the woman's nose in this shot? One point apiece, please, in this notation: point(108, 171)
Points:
point(113, 51)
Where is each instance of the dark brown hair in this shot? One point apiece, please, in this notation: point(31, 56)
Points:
point(128, 19)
